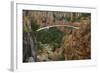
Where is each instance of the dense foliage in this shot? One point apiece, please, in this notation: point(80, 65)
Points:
point(51, 36)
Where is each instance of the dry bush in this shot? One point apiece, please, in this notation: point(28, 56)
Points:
point(77, 45)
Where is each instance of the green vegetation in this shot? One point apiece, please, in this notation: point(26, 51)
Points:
point(51, 36)
point(34, 25)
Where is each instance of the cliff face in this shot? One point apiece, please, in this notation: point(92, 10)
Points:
point(56, 43)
